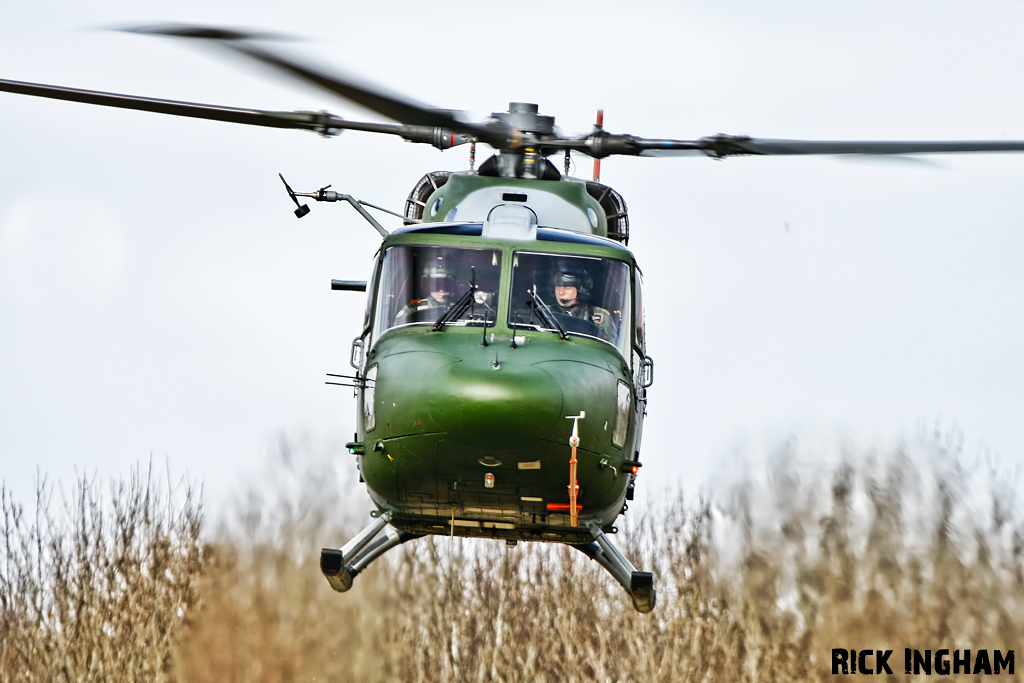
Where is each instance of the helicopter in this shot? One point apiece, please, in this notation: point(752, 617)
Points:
point(475, 407)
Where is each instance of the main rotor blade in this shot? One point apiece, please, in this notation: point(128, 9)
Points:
point(601, 144)
point(320, 122)
point(733, 145)
point(377, 99)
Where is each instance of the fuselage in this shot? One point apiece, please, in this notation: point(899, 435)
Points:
point(463, 425)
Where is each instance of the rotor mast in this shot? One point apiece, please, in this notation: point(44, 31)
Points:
point(520, 157)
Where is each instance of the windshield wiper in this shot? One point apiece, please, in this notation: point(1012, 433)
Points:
point(456, 310)
point(545, 312)
point(460, 306)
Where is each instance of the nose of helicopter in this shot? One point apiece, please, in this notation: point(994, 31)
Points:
point(507, 401)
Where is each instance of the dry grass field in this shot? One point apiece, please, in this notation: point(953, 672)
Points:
point(757, 585)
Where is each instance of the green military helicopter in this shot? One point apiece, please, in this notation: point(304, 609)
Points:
point(502, 370)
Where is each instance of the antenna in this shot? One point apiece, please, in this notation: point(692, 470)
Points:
point(302, 209)
point(574, 487)
point(323, 195)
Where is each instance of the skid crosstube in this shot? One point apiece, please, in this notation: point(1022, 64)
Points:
point(639, 585)
point(341, 566)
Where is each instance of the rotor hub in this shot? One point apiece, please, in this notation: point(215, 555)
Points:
point(524, 116)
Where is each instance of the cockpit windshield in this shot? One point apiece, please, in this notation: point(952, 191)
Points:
point(419, 284)
point(581, 295)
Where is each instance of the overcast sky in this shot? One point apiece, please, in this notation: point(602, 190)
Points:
point(158, 297)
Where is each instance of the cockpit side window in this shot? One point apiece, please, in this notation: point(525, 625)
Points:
point(371, 288)
point(584, 295)
point(418, 284)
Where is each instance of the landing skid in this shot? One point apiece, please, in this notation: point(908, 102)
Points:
point(639, 585)
point(341, 566)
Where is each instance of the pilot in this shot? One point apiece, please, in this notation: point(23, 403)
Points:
point(437, 284)
point(572, 288)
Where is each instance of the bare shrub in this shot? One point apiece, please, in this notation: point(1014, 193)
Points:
point(98, 590)
point(266, 612)
point(757, 583)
